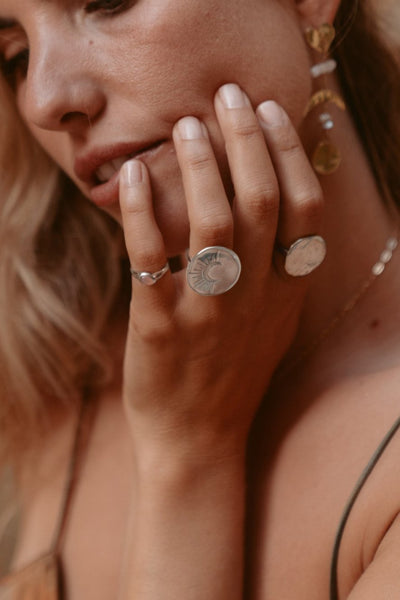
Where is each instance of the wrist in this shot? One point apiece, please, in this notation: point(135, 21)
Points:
point(168, 462)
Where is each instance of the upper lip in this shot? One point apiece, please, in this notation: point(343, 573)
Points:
point(86, 165)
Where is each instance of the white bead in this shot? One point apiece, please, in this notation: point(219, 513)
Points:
point(328, 66)
point(378, 269)
point(326, 120)
point(327, 125)
point(386, 256)
point(392, 243)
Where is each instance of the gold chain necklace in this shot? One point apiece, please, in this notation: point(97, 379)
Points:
point(378, 268)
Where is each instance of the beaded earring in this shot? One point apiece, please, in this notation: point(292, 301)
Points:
point(326, 157)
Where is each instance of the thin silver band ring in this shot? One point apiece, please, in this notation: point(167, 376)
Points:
point(148, 278)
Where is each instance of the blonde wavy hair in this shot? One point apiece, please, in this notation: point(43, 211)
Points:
point(59, 280)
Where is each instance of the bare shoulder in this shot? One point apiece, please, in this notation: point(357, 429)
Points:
point(99, 509)
point(39, 489)
point(381, 579)
point(371, 536)
point(317, 434)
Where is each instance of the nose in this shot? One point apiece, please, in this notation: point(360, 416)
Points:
point(61, 93)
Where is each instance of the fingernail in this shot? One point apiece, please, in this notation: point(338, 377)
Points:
point(131, 172)
point(233, 97)
point(271, 114)
point(190, 128)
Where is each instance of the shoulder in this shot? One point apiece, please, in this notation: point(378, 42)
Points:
point(37, 496)
point(370, 439)
point(323, 430)
point(381, 579)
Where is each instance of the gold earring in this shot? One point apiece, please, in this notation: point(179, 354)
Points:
point(326, 157)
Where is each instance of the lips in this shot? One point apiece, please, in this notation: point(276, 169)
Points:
point(100, 168)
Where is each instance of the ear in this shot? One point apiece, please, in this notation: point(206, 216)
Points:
point(317, 12)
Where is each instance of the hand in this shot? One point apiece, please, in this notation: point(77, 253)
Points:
point(196, 368)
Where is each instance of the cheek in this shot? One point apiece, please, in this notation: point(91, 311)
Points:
point(180, 58)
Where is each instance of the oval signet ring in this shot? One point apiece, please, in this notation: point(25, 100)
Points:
point(304, 255)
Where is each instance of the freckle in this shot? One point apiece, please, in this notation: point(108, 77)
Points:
point(374, 324)
point(90, 42)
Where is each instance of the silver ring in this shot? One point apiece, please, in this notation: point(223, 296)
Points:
point(304, 255)
point(147, 278)
point(213, 271)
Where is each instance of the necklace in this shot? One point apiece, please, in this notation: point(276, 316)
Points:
point(378, 268)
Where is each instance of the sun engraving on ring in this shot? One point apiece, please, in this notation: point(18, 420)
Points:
point(213, 271)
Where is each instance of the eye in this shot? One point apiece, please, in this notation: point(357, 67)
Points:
point(16, 67)
point(107, 6)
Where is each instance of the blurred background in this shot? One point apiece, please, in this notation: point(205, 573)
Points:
point(388, 12)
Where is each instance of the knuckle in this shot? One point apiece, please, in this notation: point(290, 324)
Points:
point(287, 141)
point(153, 330)
point(261, 200)
point(219, 226)
point(199, 160)
point(207, 315)
point(247, 129)
point(309, 206)
point(134, 205)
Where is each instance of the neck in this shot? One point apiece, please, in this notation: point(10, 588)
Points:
point(357, 224)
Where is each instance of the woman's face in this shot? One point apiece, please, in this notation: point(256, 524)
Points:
point(108, 79)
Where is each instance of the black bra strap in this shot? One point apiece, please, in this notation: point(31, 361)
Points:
point(359, 485)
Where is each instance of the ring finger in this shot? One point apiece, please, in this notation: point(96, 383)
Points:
point(301, 195)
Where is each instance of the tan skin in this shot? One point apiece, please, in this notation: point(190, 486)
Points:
point(159, 511)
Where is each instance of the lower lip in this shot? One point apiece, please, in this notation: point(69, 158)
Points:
point(107, 194)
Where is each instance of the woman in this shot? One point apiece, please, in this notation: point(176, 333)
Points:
point(228, 415)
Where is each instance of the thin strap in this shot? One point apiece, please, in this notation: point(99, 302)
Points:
point(42, 578)
point(72, 476)
point(359, 485)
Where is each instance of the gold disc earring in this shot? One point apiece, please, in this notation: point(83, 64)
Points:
point(326, 157)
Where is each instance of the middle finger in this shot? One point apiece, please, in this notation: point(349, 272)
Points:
point(210, 215)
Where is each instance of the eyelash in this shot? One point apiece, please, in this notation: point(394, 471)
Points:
point(107, 6)
point(17, 66)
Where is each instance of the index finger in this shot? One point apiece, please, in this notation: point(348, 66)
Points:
point(144, 242)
